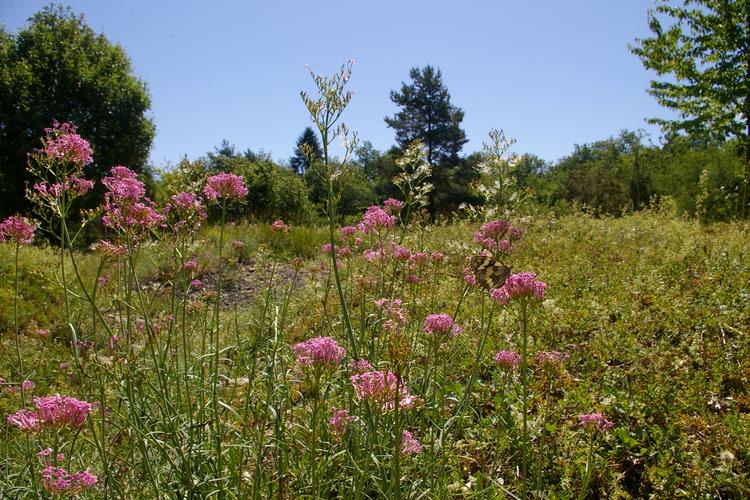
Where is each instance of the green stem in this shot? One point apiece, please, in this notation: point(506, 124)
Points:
point(525, 397)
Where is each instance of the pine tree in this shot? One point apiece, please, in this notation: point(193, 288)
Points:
point(300, 161)
point(428, 115)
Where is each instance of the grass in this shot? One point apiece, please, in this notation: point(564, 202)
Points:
point(652, 311)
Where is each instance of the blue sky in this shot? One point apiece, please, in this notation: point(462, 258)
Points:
point(550, 73)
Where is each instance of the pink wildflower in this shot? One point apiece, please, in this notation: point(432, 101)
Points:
point(519, 286)
point(594, 421)
point(123, 185)
point(393, 205)
point(379, 389)
point(109, 249)
point(418, 258)
point(373, 255)
point(492, 236)
point(42, 332)
point(26, 420)
point(190, 265)
point(189, 212)
point(63, 143)
point(409, 444)
point(225, 185)
point(279, 226)
point(396, 314)
point(469, 277)
point(401, 253)
point(339, 422)
point(348, 230)
point(17, 229)
point(319, 351)
point(62, 411)
point(27, 385)
point(509, 360)
point(197, 284)
point(57, 481)
point(437, 257)
point(125, 207)
point(376, 218)
point(411, 278)
point(441, 325)
point(360, 366)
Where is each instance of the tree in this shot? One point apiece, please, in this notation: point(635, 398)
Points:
point(300, 162)
point(705, 54)
point(57, 68)
point(427, 115)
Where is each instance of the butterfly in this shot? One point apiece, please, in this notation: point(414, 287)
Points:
point(490, 273)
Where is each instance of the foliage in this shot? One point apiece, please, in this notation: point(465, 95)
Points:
point(704, 54)
point(659, 352)
point(499, 183)
point(427, 115)
point(303, 155)
point(275, 192)
point(355, 191)
point(58, 68)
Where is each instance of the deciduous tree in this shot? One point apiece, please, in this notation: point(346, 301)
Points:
point(702, 48)
point(58, 68)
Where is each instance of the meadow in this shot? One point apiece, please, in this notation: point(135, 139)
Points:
point(187, 354)
point(643, 322)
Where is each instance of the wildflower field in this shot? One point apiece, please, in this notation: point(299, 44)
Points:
point(378, 357)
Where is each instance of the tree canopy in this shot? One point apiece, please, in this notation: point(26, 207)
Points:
point(58, 68)
point(427, 115)
point(704, 53)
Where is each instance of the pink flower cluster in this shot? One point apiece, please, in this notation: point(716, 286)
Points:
point(63, 143)
point(375, 219)
point(57, 481)
point(519, 286)
point(17, 229)
point(25, 420)
point(340, 251)
point(379, 389)
point(225, 185)
point(409, 444)
point(498, 236)
point(279, 226)
point(396, 314)
point(110, 250)
point(125, 205)
point(392, 205)
point(595, 421)
point(509, 360)
point(72, 185)
point(52, 411)
point(123, 185)
point(360, 366)
point(339, 422)
point(319, 351)
point(441, 325)
point(188, 212)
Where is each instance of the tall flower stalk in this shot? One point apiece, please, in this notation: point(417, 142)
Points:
point(522, 290)
point(325, 110)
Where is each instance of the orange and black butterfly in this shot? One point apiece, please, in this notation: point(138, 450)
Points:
point(490, 273)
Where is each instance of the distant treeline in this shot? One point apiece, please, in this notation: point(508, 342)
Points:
point(613, 176)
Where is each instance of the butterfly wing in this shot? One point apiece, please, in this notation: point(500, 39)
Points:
point(490, 273)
